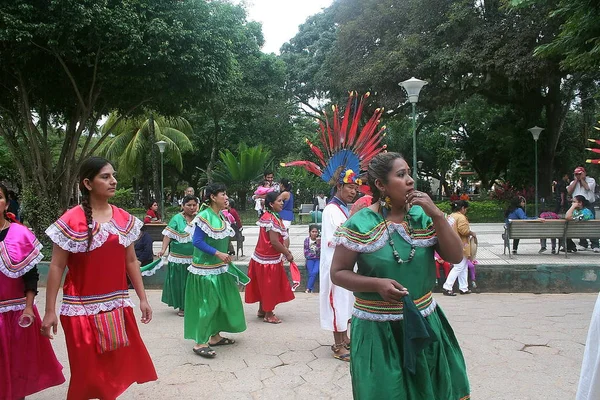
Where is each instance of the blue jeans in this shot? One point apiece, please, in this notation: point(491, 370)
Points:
point(593, 241)
point(312, 267)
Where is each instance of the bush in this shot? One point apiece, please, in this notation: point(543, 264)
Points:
point(479, 211)
point(123, 198)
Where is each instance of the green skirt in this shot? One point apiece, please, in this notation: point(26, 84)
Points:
point(212, 304)
point(377, 358)
point(174, 287)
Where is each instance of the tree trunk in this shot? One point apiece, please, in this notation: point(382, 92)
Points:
point(213, 151)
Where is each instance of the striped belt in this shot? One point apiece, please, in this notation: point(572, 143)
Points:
point(374, 310)
point(12, 304)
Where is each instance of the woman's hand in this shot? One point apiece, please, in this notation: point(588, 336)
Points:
point(29, 311)
point(390, 290)
point(146, 311)
point(418, 198)
point(226, 258)
point(161, 253)
point(50, 322)
point(289, 256)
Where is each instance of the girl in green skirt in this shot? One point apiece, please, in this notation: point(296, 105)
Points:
point(180, 246)
point(403, 347)
point(212, 299)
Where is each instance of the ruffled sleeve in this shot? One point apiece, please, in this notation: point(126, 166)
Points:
point(20, 251)
point(212, 225)
point(70, 231)
point(176, 230)
point(271, 223)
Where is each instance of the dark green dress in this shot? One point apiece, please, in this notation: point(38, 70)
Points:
point(377, 352)
point(180, 258)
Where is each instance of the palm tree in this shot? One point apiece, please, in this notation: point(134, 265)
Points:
point(132, 146)
point(240, 173)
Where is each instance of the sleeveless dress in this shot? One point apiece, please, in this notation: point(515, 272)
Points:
point(180, 258)
point(212, 299)
point(378, 341)
point(269, 283)
point(27, 362)
point(95, 283)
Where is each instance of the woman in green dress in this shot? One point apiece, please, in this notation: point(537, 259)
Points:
point(179, 243)
point(212, 299)
point(403, 347)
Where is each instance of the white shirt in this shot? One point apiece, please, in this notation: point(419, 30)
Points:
point(322, 202)
point(588, 194)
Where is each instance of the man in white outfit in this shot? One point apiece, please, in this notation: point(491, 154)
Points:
point(336, 302)
point(589, 381)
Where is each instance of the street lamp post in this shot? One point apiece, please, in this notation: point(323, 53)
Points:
point(413, 87)
point(535, 132)
point(420, 164)
point(161, 147)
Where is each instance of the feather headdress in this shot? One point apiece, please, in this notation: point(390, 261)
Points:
point(346, 150)
point(596, 141)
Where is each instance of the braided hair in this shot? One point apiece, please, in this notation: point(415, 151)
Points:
point(379, 168)
point(88, 170)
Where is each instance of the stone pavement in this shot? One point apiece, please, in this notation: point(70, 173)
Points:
point(517, 347)
point(489, 249)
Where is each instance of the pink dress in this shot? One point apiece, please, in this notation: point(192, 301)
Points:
point(95, 283)
point(27, 362)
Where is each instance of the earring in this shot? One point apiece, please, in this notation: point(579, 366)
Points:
point(386, 202)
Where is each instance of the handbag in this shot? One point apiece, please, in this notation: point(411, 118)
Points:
point(110, 330)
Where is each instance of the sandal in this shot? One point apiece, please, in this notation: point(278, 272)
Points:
point(205, 352)
point(223, 342)
point(272, 320)
point(260, 315)
point(338, 354)
point(448, 292)
point(468, 291)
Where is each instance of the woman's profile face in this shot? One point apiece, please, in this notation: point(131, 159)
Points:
point(277, 205)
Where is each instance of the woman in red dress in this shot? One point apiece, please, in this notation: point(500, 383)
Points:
point(96, 240)
point(269, 283)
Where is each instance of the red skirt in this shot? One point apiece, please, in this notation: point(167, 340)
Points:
point(268, 285)
point(107, 375)
point(27, 362)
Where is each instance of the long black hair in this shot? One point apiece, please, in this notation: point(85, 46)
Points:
point(514, 204)
point(5, 193)
point(88, 170)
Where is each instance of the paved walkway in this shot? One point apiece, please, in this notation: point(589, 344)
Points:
point(489, 250)
point(517, 347)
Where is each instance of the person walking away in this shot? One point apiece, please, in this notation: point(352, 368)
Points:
point(269, 285)
point(460, 224)
point(585, 186)
point(178, 242)
point(212, 298)
point(27, 361)
point(403, 347)
point(95, 240)
point(312, 254)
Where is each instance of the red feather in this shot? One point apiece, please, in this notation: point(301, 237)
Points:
point(317, 151)
point(594, 150)
point(307, 165)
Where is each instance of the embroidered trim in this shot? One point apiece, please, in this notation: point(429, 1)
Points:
point(262, 259)
point(12, 305)
point(89, 305)
point(152, 271)
point(208, 271)
point(270, 226)
point(215, 233)
point(378, 237)
point(176, 235)
point(179, 259)
point(383, 311)
point(17, 269)
point(76, 242)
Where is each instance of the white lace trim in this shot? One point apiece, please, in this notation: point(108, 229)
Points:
point(106, 228)
point(361, 314)
point(382, 241)
point(180, 238)
point(75, 310)
point(270, 226)
point(16, 307)
point(210, 232)
point(16, 274)
point(208, 271)
point(179, 260)
point(260, 260)
point(152, 271)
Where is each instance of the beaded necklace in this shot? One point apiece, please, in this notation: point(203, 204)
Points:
point(411, 254)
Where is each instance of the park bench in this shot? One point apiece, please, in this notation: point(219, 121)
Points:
point(549, 229)
point(155, 232)
point(305, 210)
